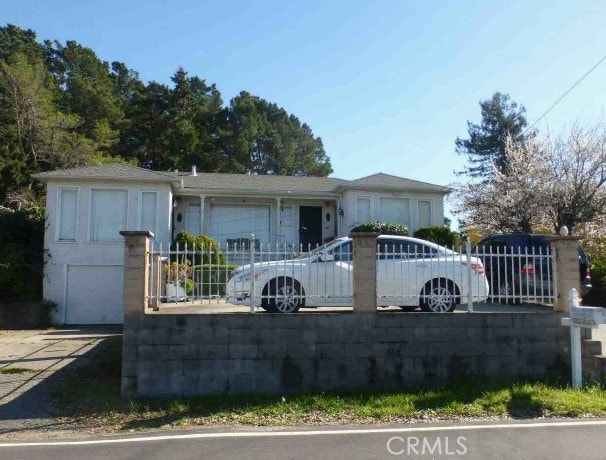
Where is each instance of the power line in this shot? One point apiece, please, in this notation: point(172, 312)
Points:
point(566, 93)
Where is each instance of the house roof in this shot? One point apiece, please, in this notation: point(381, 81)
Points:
point(382, 180)
point(243, 183)
point(108, 171)
point(264, 183)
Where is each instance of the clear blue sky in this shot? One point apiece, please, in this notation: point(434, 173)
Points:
point(387, 85)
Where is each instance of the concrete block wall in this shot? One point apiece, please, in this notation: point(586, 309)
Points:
point(183, 355)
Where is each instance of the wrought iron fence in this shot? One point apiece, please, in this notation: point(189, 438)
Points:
point(410, 274)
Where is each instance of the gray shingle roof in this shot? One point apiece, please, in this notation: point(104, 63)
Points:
point(107, 171)
point(241, 182)
point(262, 183)
point(382, 180)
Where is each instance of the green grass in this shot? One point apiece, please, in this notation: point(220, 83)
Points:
point(15, 370)
point(93, 395)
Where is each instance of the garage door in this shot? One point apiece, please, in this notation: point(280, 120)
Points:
point(237, 221)
point(94, 294)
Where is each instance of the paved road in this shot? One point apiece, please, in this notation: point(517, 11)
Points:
point(551, 440)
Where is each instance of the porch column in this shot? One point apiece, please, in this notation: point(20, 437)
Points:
point(364, 272)
point(566, 272)
point(203, 228)
point(278, 220)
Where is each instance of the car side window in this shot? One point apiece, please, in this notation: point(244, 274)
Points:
point(391, 249)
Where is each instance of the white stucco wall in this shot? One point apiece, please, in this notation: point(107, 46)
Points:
point(349, 205)
point(63, 256)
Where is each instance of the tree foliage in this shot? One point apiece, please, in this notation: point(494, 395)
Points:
point(503, 121)
point(61, 106)
point(438, 234)
point(550, 182)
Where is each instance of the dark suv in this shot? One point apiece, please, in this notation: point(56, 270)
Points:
point(518, 266)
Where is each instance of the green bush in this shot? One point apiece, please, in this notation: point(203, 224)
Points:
point(211, 252)
point(21, 255)
point(383, 228)
point(439, 234)
point(598, 270)
point(212, 279)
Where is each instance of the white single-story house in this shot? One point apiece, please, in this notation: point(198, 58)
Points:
point(88, 206)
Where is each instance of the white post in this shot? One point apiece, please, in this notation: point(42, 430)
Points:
point(251, 248)
point(575, 341)
point(469, 296)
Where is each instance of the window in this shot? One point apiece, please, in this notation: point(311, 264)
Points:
point(424, 214)
point(394, 210)
point(148, 211)
point(363, 213)
point(68, 207)
point(108, 214)
point(390, 249)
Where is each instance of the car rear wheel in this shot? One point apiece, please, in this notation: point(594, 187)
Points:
point(438, 296)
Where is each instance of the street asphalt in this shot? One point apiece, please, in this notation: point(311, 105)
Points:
point(556, 439)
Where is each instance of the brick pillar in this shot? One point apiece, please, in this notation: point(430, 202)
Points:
point(566, 274)
point(136, 279)
point(136, 270)
point(364, 272)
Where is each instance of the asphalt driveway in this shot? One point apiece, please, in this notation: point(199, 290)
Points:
point(32, 362)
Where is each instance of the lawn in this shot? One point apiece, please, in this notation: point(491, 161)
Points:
point(92, 396)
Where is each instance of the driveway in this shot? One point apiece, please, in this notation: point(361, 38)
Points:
point(220, 306)
point(32, 362)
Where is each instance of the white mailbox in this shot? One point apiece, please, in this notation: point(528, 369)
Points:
point(590, 317)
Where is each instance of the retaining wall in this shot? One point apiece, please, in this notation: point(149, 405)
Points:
point(182, 355)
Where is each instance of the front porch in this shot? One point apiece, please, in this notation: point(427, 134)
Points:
point(282, 221)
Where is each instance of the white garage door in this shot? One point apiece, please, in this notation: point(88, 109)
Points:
point(94, 294)
point(231, 222)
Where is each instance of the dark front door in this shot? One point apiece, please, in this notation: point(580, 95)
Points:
point(310, 226)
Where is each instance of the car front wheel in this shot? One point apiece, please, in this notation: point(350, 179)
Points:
point(438, 297)
point(285, 296)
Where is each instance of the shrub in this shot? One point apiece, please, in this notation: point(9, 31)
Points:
point(439, 234)
point(21, 255)
point(383, 228)
point(598, 270)
point(212, 279)
point(211, 252)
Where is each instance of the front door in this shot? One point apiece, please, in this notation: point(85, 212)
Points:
point(310, 226)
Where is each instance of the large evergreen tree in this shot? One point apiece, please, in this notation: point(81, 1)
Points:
point(263, 138)
point(502, 119)
point(62, 106)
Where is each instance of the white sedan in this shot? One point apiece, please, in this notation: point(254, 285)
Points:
point(411, 273)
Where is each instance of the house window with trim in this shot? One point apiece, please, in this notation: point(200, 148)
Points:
point(424, 217)
point(395, 211)
point(68, 209)
point(108, 214)
point(363, 210)
point(148, 211)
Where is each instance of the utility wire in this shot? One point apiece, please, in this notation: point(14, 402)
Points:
point(566, 93)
